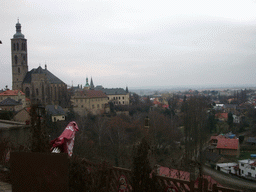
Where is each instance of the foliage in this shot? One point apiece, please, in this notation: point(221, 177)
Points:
point(141, 169)
point(230, 120)
point(195, 126)
point(83, 178)
point(39, 134)
point(6, 115)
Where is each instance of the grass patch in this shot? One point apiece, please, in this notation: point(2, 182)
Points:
point(246, 154)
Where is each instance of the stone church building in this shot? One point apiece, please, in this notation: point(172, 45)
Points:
point(39, 85)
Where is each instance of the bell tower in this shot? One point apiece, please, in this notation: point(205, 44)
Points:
point(19, 58)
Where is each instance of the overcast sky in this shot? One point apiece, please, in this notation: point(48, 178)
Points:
point(135, 43)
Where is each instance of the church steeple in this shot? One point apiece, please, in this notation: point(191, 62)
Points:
point(91, 84)
point(18, 33)
point(19, 58)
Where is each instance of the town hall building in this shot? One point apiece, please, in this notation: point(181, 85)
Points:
point(39, 85)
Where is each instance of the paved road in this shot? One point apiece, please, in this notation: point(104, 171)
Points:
point(230, 181)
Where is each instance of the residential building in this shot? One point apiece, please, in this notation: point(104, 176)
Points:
point(222, 116)
point(225, 145)
point(22, 116)
point(226, 167)
point(16, 95)
point(10, 105)
point(90, 101)
point(118, 96)
point(56, 112)
point(247, 168)
point(251, 140)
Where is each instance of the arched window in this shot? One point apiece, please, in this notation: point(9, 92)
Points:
point(14, 47)
point(43, 92)
point(17, 46)
point(55, 93)
point(37, 93)
point(16, 59)
point(27, 92)
point(24, 58)
point(18, 70)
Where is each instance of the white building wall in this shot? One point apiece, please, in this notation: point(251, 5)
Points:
point(246, 169)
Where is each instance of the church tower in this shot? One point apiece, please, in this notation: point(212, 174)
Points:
point(19, 58)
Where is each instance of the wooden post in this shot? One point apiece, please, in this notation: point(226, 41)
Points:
point(214, 188)
point(108, 179)
point(192, 186)
point(205, 184)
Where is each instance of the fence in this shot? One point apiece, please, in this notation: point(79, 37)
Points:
point(162, 182)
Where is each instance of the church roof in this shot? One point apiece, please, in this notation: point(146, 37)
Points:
point(50, 77)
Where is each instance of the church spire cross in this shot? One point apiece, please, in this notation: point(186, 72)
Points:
point(18, 33)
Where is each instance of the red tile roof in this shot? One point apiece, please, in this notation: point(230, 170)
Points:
point(184, 175)
point(222, 115)
point(224, 143)
point(95, 94)
point(11, 93)
point(174, 173)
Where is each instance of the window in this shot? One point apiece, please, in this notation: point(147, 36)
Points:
point(16, 59)
point(81, 100)
point(242, 164)
point(76, 100)
point(24, 58)
point(14, 47)
point(123, 102)
point(18, 70)
point(82, 106)
point(98, 106)
point(253, 168)
point(123, 97)
point(17, 46)
point(249, 174)
point(119, 97)
point(37, 93)
point(102, 106)
point(108, 98)
point(93, 106)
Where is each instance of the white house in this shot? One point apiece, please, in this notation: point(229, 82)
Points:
point(247, 168)
point(226, 167)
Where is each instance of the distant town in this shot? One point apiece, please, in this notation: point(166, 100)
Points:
point(186, 133)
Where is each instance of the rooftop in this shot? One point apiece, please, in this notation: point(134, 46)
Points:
point(9, 102)
point(11, 93)
point(95, 93)
point(225, 143)
point(113, 91)
point(50, 77)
